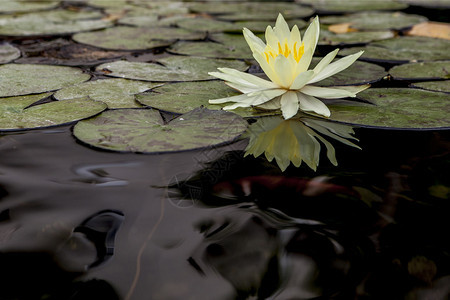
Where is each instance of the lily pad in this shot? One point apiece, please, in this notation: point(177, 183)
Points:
point(252, 10)
point(226, 46)
point(438, 86)
point(357, 74)
point(53, 22)
point(422, 70)
point(376, 20)
point(141, 21)
point(350, 38)
point(25, 6)
point(404, 49)
point(144, 130)
point(15, 113)
point(8, 53)
point(135, 38)
point(185, 96)
point(22, 79)
point(174, 68)
point(345, 6)
point(116, 93)
point(395, 108)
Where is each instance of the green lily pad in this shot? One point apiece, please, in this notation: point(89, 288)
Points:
point(25, 6)
point(227, 46)
point(8, 53)
point(357, 74)
point(53, 22)
point(140, 21)
point(185, 96)
point(116, 93)
point(260, 26)
point(252, 10)
point(15, 113)
point(395, 108)
point(404, 49)
point(144, 130)
point(22, 79)
point(135, 38)
point(350, 38)
point(438, 86)
point(345, 6)
point(107, 3)
point(174, 68)
point(422, 70)
point(376, 20)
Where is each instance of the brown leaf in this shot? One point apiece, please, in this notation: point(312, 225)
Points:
point(341, 28)
point(431, 29)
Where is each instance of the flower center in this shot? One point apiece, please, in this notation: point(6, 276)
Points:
point(285, 50)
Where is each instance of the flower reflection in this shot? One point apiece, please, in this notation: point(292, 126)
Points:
point(296, 140)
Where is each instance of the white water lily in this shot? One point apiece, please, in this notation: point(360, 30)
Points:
point(285, 60)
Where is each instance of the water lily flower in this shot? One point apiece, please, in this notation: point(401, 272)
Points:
point(285, 59)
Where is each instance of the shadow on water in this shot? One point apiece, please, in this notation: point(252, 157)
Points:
point(76, 223)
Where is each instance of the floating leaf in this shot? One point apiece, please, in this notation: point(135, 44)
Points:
point(438, 86)
point(9, 6)
point(51, 23)
point(116, 93)
point(403, 49)
point(14, 114)
point(421, 71)
point(375, 20)
point(349, 38)
point(143, 130)
point(267, 11)
point(185, 96)
point(8, 53)
point(135, 38)
point(22, 79)
point(175, 68)
point(345, 6)
point(394, 108)
point(357, 74)
point(431, 29)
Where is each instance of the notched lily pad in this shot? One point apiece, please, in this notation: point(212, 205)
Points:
point(404, 49)
point(136, 38)
point(8, 53)
point(343, 6)
point(174, 68)
point(185, 96)
point(53, 22)
point(10, 6)
point(116, 93)
point(22, 79)
point(376, 20)
point(144, 131)
point(351, 38)
point(438, 86)
point(17, 114)
point(395, 108)
point(422, 70)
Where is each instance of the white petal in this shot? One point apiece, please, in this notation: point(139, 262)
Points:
point(283, 67)
point(295, 37)
point(355, 89)
point(325, 92)
point(304, 62)
point(281, 29)
point(289, 104)
point(239, 98)
point(301, 80)
point(309, 103)
point(248, 77)
point(271, 104)
point(271, 38)
point(232, 79)
point(254, 42)
point(270, 72)
point(311, 36)
point(325, 61)
point(243, 88)
point(336, 67)
point(266, 95)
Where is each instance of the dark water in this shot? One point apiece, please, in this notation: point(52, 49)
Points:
point(76, 223)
